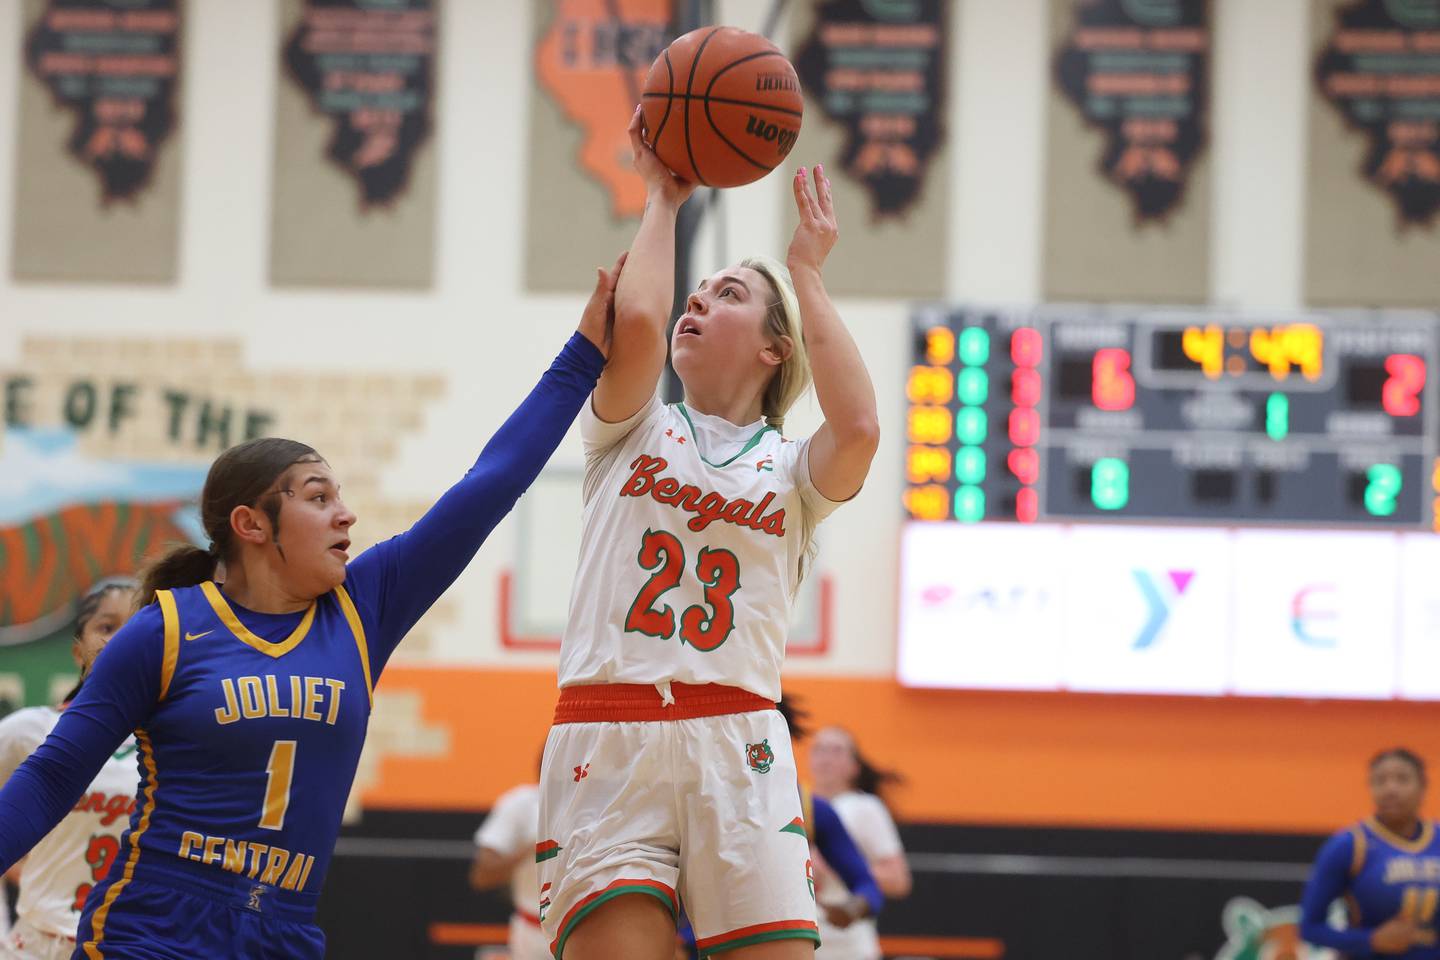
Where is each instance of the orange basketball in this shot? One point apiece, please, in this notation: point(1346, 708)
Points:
point(722, 106)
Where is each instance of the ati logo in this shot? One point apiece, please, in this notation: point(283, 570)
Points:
point(1161, 593)
point(759, 756)
point(771, 133)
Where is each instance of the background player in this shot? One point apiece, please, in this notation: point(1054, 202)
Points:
point(668, 774)
point(505, 854)
point(1387, 867)
point(59, 873)
point(250, 727)
point(852, 785)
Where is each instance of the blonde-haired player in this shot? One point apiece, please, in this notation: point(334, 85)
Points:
point(668, 774)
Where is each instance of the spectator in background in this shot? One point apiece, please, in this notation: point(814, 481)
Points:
point(505, 854)
point(842, 775)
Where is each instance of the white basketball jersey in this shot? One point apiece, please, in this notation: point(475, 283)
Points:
point(512, 828)
point(694, 532)
point(61, 869)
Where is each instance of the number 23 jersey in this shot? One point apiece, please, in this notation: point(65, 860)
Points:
point(694, 533)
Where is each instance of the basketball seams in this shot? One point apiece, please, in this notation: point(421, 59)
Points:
point(689, 90)
point(669, 98)
point(742, 63)
point(732, 102)
point(715, 127)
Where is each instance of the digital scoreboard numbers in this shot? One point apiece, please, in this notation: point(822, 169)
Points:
point(1065, 414)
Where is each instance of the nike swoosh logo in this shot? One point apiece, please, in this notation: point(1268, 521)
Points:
point(197, 636)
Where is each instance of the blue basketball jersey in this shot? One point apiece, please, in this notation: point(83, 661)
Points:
point(249, 755)
point(1391, 876)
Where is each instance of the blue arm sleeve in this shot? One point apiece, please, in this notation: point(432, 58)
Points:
point(119, 694)
point(1329, 879)
point(399, 579)
point(839, 850)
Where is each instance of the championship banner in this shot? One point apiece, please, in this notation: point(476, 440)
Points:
point(874, 73)
point(1139, 73)
point(98, 190)
point(1374, 188)
point(583, 197)
point(879, 72)
point(354, 161)
point(1127, 186)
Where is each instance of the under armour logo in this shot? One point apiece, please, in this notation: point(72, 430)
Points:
point(671, 435)
point(254, 902)
point(582, 772)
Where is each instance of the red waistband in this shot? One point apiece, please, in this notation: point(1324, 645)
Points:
point(641, 702)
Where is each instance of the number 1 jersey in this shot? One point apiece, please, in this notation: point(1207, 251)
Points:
point(695, 530)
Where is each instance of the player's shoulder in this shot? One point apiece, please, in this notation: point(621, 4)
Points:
point(525, 793)
point(857, 803)
point(28, 724)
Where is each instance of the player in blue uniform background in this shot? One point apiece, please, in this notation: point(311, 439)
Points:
point(1387, 869)
point(250, 697)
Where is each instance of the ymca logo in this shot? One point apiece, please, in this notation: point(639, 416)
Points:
point(1161, 592)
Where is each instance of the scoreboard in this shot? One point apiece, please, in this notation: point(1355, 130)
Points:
point(1162, 416)
point(1188, 502)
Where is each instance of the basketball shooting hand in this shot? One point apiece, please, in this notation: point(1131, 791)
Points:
point(659, 181)
point(1396, 935)
point(597, 322)
point(818, 230)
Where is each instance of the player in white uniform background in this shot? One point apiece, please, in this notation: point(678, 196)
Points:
point(59, 872)
point(669, 775)
point(842, 775)
point(505, 855)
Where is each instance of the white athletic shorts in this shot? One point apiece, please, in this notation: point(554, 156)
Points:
point(694, 803)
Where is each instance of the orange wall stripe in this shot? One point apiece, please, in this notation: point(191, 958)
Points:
point(1239, 764)
point(468, 934)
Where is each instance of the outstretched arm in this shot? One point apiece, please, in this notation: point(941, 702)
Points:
point(121, 691)
point(646, 291)
point(841, 450)
point(400, 579)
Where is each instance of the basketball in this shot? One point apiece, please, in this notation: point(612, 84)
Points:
point(722, 106)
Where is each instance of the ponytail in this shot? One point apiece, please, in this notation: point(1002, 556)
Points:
point(183, 565)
